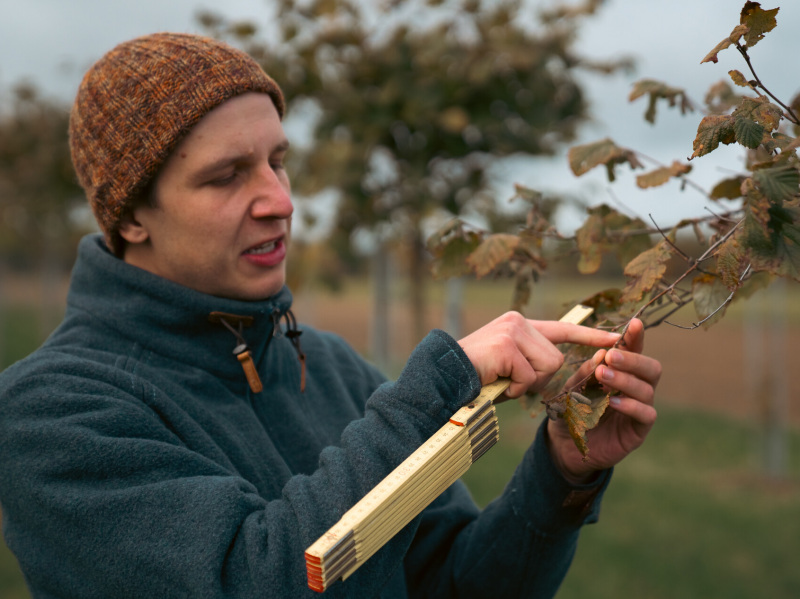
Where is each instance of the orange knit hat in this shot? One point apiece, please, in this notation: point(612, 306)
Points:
point(138, 101)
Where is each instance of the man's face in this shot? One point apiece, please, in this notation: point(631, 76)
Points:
point(223, 207)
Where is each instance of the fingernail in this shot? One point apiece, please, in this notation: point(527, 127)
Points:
point(615, 401)
point(607, 374)
point(614, 357)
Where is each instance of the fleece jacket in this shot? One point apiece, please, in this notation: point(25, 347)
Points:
point(137, 461)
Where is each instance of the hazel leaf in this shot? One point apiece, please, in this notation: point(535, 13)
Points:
point(645, 271)
point(757, 21)
point(779, 183)
point(772, 236)
point(588, 239)
point(732, 261)
point(748, 133)
point(658, 90)
point(662, 175)
point(712, 131)
point(733, 38)
point(581, 418)
point(738, 78)
point(450, 246)
point(727, 189)
point(492, 251)
point(605, 152)
point(760, 110)
point(709, 293)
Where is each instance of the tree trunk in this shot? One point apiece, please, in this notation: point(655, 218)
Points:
point(418, 273)
point(3, 312)
point(776, 440)
point(380, 308)
point(454, 318)
point(49, 308)
point(766, 374)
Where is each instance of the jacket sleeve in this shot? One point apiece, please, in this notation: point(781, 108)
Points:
point(101, 499)
point(520, 545)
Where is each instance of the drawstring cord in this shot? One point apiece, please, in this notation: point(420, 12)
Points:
point(242, 353)
point(293, 333)
point(245, 357)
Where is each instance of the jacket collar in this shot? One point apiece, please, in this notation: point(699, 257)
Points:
point(168, 318)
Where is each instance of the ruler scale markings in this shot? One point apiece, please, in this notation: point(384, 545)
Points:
point(455, 471)
point(456, 460)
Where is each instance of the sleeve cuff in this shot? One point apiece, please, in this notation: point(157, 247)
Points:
point(543, 497)
point(438, 378)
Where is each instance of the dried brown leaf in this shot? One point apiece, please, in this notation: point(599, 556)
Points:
point(450, 246)
point(585, 157)
point(738, 78)
point(732, 261)
point(760, 110)
point(733, 38)
point(645, 271)
point(757, 21)
point(588, 239)
point(492, 251)
point(662, 175)
point(581, 418)
point(658, 90)
point(721, 97)
point(728, 189)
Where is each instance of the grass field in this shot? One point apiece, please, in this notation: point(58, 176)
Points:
point(691, 514)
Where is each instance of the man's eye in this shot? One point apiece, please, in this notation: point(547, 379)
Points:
point(223, 181)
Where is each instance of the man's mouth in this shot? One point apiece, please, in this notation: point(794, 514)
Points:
point(264, 248)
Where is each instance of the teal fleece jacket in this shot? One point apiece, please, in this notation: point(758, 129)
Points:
point(136, 461)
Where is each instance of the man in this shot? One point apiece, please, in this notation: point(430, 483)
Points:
point(177, 435)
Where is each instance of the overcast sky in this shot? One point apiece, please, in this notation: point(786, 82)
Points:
point(52, 42)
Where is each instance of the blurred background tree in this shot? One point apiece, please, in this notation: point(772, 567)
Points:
point(698, 469)
point(41, 202)
point(401, 111)
point(407, 107)
point(42, 208)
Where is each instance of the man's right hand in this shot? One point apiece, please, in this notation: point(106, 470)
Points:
point(524, 350)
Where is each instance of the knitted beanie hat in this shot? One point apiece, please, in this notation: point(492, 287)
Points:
point(138, 101)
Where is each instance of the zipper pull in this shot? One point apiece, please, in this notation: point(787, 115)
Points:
point(302, 357)
point(242, 353)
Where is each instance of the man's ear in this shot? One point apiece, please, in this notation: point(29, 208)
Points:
point(131, 230)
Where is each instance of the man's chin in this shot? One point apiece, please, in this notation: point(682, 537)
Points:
point(256, 294)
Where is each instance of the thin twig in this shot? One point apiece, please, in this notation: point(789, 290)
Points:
point(790, 114)
point(662, 319)
point(621, 204)
point(695, 325)
point(669, 241)
point(706, 255)
point(723, 216)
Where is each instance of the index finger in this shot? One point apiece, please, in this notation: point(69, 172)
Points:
point(564, 332)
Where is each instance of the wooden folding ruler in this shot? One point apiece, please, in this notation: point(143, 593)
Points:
point(410, 487)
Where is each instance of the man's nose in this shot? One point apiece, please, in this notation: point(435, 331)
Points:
point(272, 195)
